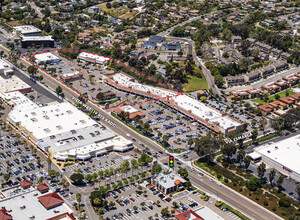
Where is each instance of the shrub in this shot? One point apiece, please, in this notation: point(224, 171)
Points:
point(284, 202)
point(241, 189)
point(234, 184)
point(253, 184)
point(226, 180)
point(219, 176)
point(219, 204)
point(250, 194)
point(256, 198)
point(274, 209)
point(266, 203)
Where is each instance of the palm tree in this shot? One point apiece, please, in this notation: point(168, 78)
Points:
point(31, 148)
point(133, 165)
point(49, 161)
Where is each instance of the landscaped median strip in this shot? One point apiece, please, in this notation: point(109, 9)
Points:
point(77, 51)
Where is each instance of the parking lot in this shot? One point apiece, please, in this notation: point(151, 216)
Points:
point(17, 160)
point(132, 203)
point(94, 165)
point(166, 121)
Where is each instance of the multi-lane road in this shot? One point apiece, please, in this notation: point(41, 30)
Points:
point(231, 197)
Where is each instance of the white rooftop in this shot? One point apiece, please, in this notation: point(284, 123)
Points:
point(117, 142)
point(36, 38)
point(285, 152)
point(70, 74)
point(46, 57)
point(254, 155)
point(127, 82)
point(84, 55)
point(202, 111)
point(167, 180)
point(32, 206)
point(129, 109)
point(18, 100)
point(50, 120)
point(207, 213)
point(25, 29)
point(3, 65)
point(12, 84)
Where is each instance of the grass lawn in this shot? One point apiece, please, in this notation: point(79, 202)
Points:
point(272, 97)
point(195, 83)
point(15, 23)
point(120, 12)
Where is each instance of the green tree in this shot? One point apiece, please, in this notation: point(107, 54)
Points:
point(96, 202)
point(253, 184)
point(32, 70)
point(156, 169)
point(49, 162)
point(298, 189)
point(247, 161)
point(58, 90)
point(206, 146)
point(272, 176)
point(261, 169)
point(6, 176)
point(88, 177)
point(284, 202)
point(219, 80)
point(78, 198)
point(76, 178)
point(228, 150)
point(280, 181)
point(183, 172)
point(240, 156)
point(254, 135)
point(164, 211)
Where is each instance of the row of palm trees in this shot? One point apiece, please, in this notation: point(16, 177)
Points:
point(123, 170)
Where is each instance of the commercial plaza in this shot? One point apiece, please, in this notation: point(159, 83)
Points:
point(283, 156)
point(211, 118)
point(63, 131)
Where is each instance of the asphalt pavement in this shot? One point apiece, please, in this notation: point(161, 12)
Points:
point(228, 195)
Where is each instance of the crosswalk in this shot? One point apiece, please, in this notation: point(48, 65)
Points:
point(232, 215)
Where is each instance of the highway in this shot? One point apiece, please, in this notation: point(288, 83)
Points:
point(225, 194)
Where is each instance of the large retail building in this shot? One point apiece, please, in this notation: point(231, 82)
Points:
point(65, 132)
point(283, 156)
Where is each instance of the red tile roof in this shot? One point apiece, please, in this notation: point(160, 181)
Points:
point(50, 200)
point(266, 107)
point(131, 115)
point(42, 187)
point(4, 215)
point(62, 216)
point(25, 183)
point(187, 216)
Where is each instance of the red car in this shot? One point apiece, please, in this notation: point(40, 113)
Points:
point(132, 199)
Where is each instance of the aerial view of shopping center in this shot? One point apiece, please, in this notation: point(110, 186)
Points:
point(150, 109)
